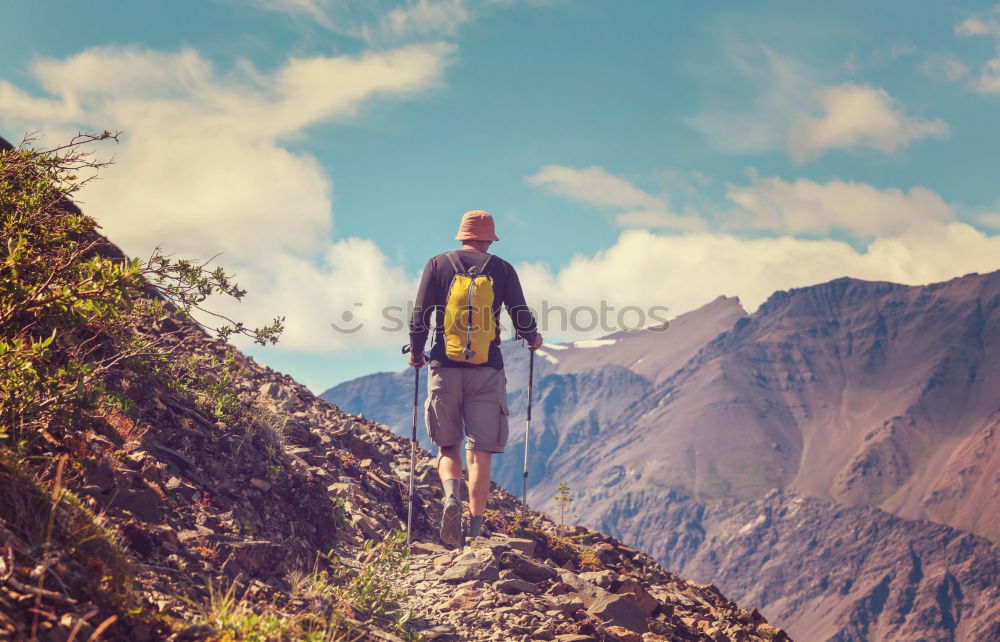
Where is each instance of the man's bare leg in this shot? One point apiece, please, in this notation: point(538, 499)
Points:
point(450, 471)
point(450, 465)
point(479, 487)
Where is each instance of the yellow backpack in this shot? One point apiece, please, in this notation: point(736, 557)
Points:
point(469, 326)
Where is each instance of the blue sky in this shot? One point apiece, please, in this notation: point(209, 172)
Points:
point(639, 153)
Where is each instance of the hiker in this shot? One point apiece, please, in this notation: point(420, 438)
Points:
point(467, 393)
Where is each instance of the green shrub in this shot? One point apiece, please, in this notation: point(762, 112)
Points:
point(72, 308)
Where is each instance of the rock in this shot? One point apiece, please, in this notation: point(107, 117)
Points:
point(260, 484)
point(470, 566)
point(197, 533)
point(527, 568)
point(546, 632)
point(426, 548)
point(364, 524)
point(623, 635)
point(607, 553)
point(496, 546)
point(522, 545)
point(152, 472)
point(175, 486)
point(464, 602)
point(515, 585)
point(166, 536)
point(568, 603)
point(137, 458)
point(259, 557)
point(143, 503)
point(233, 570)
point(575, 637)
point(276, 392)
point(340, 489)
point(560, 588)
point(438, 631)
point(604, 579)
point(632, 590)
point(583, 589)
point(619, 611)
point(179, 458)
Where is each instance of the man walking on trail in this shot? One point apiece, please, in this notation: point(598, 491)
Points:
point(467, 394)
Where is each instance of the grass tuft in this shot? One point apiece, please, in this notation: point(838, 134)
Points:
point(29, 511)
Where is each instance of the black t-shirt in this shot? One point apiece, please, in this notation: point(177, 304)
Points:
point(431, 298)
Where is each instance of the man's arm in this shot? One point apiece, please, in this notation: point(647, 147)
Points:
point(420, 320)
point(520, 314)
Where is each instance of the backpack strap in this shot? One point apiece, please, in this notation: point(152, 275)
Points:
point(482, 270)
point(454, 263)
point(474, 270)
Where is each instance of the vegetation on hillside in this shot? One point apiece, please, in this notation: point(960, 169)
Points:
point(72, 309)
point(85, 336)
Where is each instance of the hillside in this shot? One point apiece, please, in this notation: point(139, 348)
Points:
point(854, 393)
point(156, 483)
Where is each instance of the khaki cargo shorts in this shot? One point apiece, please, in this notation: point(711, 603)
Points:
point(468, 402)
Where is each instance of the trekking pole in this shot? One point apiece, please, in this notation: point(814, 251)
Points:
point(527, 431)
point(413, 452)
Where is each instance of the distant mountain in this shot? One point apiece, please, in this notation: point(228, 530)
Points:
point(824, 570)
point(849, 393)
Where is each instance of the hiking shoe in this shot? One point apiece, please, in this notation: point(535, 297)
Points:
point(451, 522)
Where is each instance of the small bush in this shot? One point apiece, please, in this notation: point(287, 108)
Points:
point(560, 549)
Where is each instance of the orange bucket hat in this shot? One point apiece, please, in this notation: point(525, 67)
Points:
point(476, 225)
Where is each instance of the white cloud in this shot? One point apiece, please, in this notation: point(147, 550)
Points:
point(204, 166)
point(317, 10)
point(684, 271)
point(987, 81)
point(983, 24)
point(900, 48)
point(945, 66)
point(805, 207)
point(858, 115)
point(905, 236)
point(351, 276)
point(772, 89)
point(990, 220)
point(427, 18)
point(788, 107)
point(801, 207)
point(596, 187)
point(383, 21)
point(882, 56)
